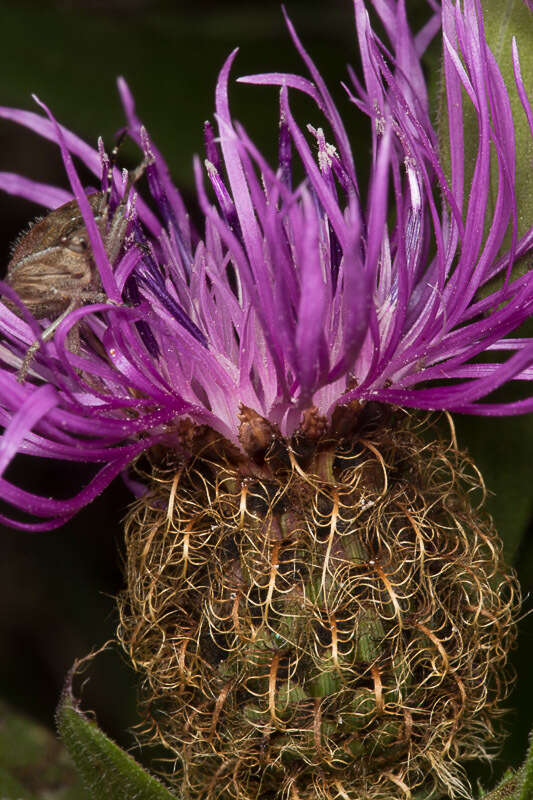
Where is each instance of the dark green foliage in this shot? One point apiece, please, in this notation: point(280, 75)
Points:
point(33, 763)
point(516, 785)
point(108, 772)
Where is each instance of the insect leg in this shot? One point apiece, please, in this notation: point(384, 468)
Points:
point(45, 336)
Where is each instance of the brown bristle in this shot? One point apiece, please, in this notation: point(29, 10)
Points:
point(334, 631)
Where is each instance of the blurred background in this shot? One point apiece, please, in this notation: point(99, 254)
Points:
point(57, 588)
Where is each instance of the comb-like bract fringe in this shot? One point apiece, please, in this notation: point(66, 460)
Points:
point(325, 617)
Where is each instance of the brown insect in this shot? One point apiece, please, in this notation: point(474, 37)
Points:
point(52, 268)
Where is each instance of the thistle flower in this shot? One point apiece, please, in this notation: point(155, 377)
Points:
point(315, 605)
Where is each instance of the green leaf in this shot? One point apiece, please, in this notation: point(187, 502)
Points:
point(516, 785)
point(108, 772)
point(33, 763)
point(526, 774)
point(506, 790)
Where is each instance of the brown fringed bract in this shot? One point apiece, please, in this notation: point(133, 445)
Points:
point(333, 622)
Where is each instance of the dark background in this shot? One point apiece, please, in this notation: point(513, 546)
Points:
point(57, 588)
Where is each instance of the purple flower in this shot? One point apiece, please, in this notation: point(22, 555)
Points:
point(295, 294)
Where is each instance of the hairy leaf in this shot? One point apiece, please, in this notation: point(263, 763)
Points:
point(108, 772)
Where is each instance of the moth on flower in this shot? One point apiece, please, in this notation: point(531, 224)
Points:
point(324, 586)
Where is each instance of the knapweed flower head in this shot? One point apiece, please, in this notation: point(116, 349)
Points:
point(293, 295)
point(315, 606)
